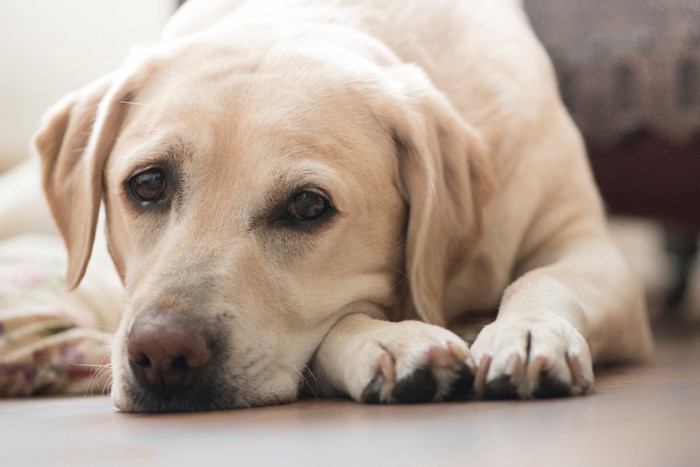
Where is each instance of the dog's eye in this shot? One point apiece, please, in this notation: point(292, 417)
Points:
point(147, 187)
point(307, 206)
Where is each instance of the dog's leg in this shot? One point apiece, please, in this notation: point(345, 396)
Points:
point(555, 320)
point(378, 361)
point(574, 301)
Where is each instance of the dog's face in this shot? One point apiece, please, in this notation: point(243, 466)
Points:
point(257, 206)
point(250, 205)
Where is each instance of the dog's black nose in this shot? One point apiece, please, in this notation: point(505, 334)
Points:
point(167, 351)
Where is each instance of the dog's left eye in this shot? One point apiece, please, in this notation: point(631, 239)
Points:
point(147, 187)
point(307, 206)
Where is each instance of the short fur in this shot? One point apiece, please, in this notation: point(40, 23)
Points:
point(459, 181)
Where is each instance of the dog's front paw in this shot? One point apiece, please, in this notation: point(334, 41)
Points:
point(525, 357)
point(416, 362)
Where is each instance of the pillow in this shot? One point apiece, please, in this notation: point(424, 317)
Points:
point(53, 341)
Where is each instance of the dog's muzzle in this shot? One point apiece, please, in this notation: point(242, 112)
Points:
point(175, 364)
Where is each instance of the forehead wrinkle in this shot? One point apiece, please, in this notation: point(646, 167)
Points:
point(306, 173)
point(169, 148)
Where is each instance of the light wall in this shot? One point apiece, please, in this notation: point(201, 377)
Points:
point(51, 47)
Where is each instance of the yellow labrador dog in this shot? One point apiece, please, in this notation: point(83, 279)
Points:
point(312, 191)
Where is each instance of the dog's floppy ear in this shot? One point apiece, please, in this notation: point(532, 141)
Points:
point(447, 180)
point(73, 142)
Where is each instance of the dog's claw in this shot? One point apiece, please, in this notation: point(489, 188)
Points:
point(579, 384)
point(386, 366)
point(440, 357)
point(456, 352)
point(574, 365)
point(481, 373)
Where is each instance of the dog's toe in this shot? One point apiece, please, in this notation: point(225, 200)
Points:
point(526, 360)
point(429, 374)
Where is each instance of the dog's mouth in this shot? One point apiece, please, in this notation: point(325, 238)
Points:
point(209, 390)
point(200, 397)
point(176, 362)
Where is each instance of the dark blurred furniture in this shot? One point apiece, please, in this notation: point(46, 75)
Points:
point(629, 72)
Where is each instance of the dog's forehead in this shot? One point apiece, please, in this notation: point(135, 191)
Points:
point(274, 82)
point(230, 109)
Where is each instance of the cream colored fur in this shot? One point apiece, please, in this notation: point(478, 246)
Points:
point(461, 185)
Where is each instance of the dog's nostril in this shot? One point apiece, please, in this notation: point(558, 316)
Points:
point(143, 361)
point(180, 363)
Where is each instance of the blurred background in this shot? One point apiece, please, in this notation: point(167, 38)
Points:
point(49, 48)
point(629, 71)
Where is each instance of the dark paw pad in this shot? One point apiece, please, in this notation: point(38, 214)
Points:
point(419, 386)
point(463, 386)
point(550, 386)
point(501, 387)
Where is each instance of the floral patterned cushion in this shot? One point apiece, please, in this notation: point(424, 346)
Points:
point(52, 341)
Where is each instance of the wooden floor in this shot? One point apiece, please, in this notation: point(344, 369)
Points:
point(637, 416)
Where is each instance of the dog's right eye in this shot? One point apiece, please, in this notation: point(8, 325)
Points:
point(307, 206)
point(147, 187)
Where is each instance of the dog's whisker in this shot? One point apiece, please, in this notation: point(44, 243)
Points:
point(137, 103)
point(107, 385)
point(95, 375)
point(97, 370)
point(308, 379)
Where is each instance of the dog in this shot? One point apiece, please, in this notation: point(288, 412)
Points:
point(315, 193)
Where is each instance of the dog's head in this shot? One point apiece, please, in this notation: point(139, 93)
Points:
point(252, 200)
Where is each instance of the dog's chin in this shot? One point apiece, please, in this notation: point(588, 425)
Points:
point(205, 395)
point(133, 399)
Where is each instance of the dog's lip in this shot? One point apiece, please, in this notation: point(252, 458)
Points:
point(136, 402)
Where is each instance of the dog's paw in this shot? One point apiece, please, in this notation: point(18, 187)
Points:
point(524, 358)
point(415, 362)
